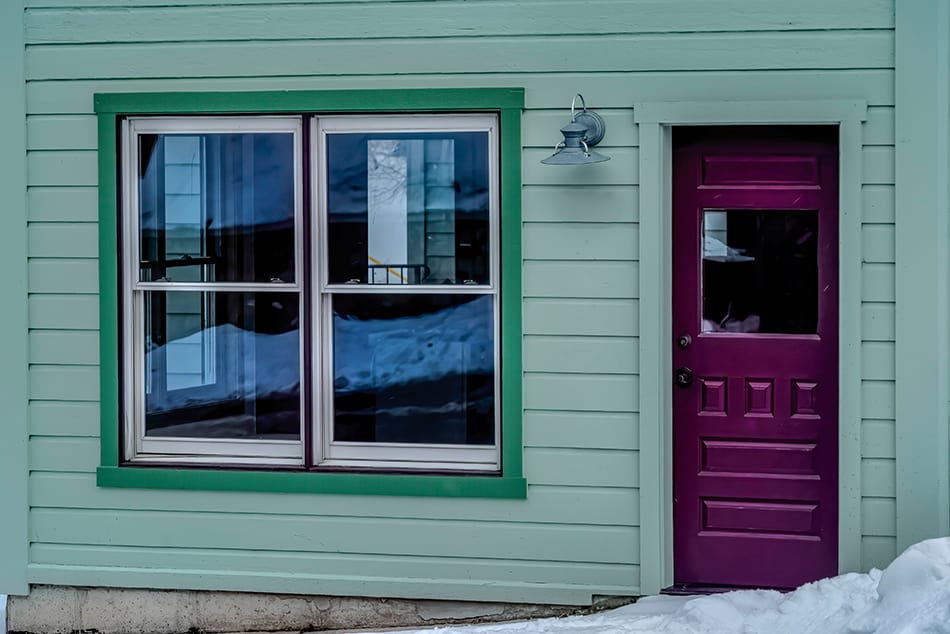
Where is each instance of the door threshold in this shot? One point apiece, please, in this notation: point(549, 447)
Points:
point(700, 589)
point(687, 589)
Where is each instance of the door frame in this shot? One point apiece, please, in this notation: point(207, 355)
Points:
point(656, 120)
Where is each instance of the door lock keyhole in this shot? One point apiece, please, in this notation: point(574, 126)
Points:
point(683, 341)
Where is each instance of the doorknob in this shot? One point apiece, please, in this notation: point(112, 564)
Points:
point(684, 377)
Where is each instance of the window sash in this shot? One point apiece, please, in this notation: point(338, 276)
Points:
point(134, 127)
point(324, 126)
point(326, 450)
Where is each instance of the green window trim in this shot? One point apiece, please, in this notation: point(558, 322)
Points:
point(507, 102)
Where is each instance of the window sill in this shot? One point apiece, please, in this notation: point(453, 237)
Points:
point(308, 482)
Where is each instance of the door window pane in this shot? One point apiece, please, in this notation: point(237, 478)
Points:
point(408, 208)
point(414, 368)
point(760, 271)
point(222, 365)
point(216, 207)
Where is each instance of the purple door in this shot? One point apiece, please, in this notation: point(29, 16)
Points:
point(755, 326)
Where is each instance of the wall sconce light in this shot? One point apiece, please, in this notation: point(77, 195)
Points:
point(585, 130)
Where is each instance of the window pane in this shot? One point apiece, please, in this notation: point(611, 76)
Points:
point(760, 271)
point(408, 208)
point(216, 207)
point(414, 369)
point(222, 365)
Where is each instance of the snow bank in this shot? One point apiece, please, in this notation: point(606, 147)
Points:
point(911, 596)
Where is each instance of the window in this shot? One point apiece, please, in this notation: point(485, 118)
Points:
point(313, 292)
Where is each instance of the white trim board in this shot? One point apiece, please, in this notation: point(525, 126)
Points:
point(656, 120)
point(922, 252)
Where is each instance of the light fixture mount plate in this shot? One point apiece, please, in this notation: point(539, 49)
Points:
point(595, 126)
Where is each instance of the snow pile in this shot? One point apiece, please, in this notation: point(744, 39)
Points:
point(912, 596)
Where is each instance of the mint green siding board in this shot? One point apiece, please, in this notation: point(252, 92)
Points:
point(877, 282)
point(63, 455)
point(877, 477)
point(63, 275)
point(877, 321)
point(593, 280)
point(57, 418)
point(582, 467)
point(14, 467)
point(402, 20)
point(69, 132)
point(63, 204)
point(878, 552)
point(877, 360)
point(564, 505)
point(594, 317)
point(342, 565)
point(432, 538)
point(72, 311)
point(877, 204)
point(580, 203)
point(580, 241)
point(62, 168)
point(878, 516)
point(729, 51)
point(877, 439)
point(878, 243)
point(63, 240)
point(603, 355)
point(64, 383)
point(616, 90)
point(878, 168)
point(879, 127)
point(877, 397)
point(316, 583)
point(581, 392)
point(64, 347)
point(593, 430)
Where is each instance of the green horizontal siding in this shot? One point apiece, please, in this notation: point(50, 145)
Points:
point(567, 505)
point(576, 534)
point(335, 565)
point(570, 316)
point(611, 89)
point(464, 20)
point(363, 535)
point(718, 51)
point(594, 430)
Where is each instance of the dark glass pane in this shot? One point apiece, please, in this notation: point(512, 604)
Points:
point(222, 365)
point(760, 271)
point(217, 207)
point(414, 369)
point(408, 208)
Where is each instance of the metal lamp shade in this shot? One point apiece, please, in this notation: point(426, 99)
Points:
point(584, 130)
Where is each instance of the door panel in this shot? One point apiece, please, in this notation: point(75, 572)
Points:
point(755, 294)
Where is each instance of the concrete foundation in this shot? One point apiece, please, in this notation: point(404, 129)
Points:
point(66, 610)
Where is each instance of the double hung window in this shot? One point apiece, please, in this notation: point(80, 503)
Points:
point(313, 292)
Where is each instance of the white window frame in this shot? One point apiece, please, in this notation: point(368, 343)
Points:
point(323, 450)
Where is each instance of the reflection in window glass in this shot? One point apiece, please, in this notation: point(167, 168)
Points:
point(222, 365)
point(760, 271)
point(413, 369)
point(408, 208)
point(216, 207)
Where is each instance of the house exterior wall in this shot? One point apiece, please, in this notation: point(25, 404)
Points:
point(577, 533)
